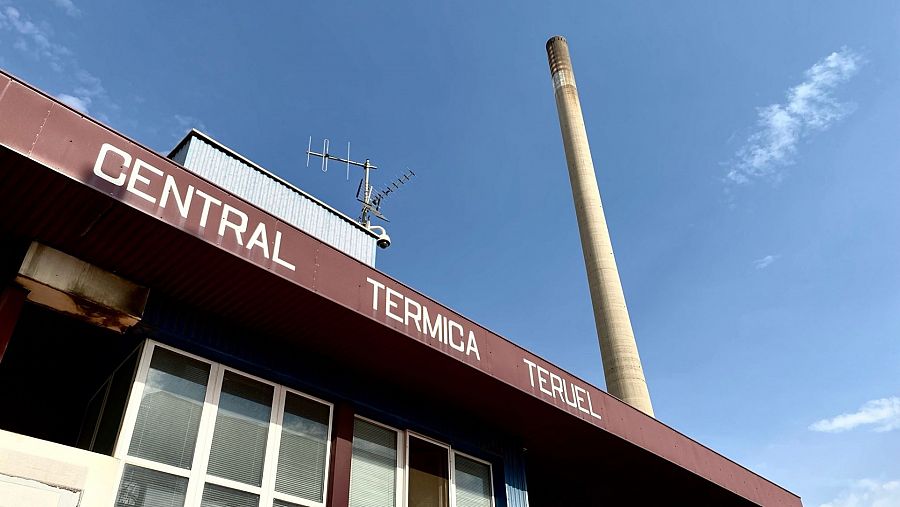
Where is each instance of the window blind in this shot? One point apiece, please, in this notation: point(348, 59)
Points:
point(141, 487)
point(473, 483)
point(242, 424)
point(301, 457)
point(219, 496)
point(169, 414)
point(167, 430)
point(373, 466)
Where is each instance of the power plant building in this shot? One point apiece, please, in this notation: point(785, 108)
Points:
point(192, 330)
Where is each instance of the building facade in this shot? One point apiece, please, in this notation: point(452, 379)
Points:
point(191, 330)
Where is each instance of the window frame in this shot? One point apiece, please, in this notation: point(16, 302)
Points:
point(402, 478)
point(453, 454)
point(451, 485)
point(198, 475)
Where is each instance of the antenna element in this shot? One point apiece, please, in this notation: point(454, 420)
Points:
point(365, 192)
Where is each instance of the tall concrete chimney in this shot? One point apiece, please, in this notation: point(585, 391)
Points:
point(621, 362)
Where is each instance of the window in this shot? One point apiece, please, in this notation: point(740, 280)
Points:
point(373, 465)
point(199, 433)
point(473, 482)
point(428, 474)
point(390, 468)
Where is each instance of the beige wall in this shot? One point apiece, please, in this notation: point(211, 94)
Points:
point(38, 473)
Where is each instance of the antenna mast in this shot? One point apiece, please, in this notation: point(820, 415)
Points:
point(365, 193)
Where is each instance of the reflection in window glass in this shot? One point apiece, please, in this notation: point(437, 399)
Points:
point(148, 488)
point(373, 466)
point(473, 482)
point(242, 425)
point(429, 474)
point(169, 414)
point(242, 415)
point(218, 496)
point(304, 438)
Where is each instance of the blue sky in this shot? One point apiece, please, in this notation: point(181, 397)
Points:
point(747, 153)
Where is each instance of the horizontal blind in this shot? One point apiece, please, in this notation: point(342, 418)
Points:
point(301, 457)
point(141, 487)
point(169, 413)
point(373, 466)
point(242, 425)
point(219, 496)
point(473, 483)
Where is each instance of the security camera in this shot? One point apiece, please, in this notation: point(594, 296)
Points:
point(383, 240)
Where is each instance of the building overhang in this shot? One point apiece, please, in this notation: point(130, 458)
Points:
point(72, 183)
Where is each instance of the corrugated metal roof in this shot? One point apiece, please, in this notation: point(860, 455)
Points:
point(226, 168)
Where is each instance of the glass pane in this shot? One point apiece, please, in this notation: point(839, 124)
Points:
point(282, 503)
point(169, 415)
point(148, 488)
point(429, 478)
point(114, 407)
point(242, 424)
point(304, 439)
point(373, 466)
point(473, 483)
point(91, 418)
point(219, 496)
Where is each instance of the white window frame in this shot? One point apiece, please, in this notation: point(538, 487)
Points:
point(197, 475)
point(451, 493)
point(453, 454)
point(399, 478)
point(402, 478)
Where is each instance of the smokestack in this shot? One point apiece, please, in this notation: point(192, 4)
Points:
point(621, 362)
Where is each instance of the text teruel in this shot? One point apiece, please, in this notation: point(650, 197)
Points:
point(568, 392)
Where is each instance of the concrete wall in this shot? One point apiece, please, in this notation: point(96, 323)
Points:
point(38, 473)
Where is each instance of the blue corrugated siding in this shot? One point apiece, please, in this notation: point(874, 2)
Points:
point(514, 477)
point(276, 197)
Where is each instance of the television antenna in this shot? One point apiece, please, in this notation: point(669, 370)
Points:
point(370, 197)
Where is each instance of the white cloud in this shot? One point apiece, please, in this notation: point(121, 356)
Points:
point(883, 414)
point(868, 493)
point(35, 40)
point(764, 262)
point(78, 103)
point(810, 108)
point(32, 39)
point(69, 7)
point(185, 123)
point(87, 89)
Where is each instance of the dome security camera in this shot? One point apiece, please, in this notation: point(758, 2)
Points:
point(383, 240)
